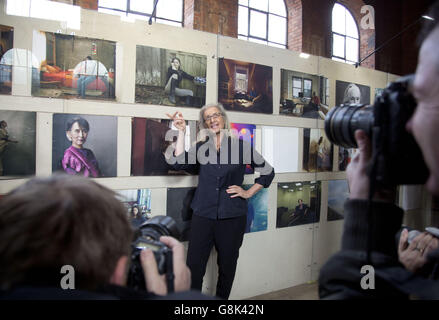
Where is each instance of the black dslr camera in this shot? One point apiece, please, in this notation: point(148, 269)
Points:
point(396, 157)
point(147, 236)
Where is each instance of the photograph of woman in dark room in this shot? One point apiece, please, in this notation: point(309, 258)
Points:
point(219, 204)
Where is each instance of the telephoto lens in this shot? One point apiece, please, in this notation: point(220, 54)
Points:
point(396, 156)
point(342, 122)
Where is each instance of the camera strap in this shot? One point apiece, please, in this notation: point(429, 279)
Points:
point(169, 271)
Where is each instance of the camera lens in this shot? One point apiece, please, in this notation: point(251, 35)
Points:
point(160, 226)
point(342, 122)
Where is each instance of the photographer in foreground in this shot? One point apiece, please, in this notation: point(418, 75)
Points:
point(369, 235)
point(49, 223)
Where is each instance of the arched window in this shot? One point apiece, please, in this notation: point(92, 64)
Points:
point(263, 21)
point(345, 35)
point(167, 11)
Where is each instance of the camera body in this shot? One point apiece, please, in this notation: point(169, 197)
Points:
point(398, 158)
point(147, 236)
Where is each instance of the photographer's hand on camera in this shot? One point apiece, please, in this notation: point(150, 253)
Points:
point(414, 255)
point(357, 169)
point(155, 282)
point(358, 179)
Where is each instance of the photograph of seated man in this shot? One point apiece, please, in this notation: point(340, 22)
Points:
point(70, 67)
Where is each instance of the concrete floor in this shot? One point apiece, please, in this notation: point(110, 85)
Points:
point(307, 291)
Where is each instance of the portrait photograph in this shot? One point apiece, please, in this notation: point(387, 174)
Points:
point(137, 203)
point(338, 193)
point(344, 157)
point(73, 67)
point(351, 93)
point(257, 211)
point(17, 144)
point(170, 77)
point(378, 92)
point(298, 203)
point(304, 95)
point(245, 86)
point(6, 58)
point(149, 145)
point(178, 206)
point(317, 151)
point(85, 145)
point(245, 132)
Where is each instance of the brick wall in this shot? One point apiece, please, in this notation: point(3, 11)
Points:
point(295, 24)
point(309, 27)
point(367, 37)
point(188, 20)
point(220, 17)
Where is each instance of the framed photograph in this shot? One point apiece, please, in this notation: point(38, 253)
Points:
point(17, 144)
point(85, 145)
point(6, 58)
point(138, 205)
point(73, 67)
point(378, 92)
point(149, 145)
point(344, 157)
point(244, 86)
point(304, 95)
point(351, 93)
point(338, 193)
point(317, 151)
point(245, 132)
point(170, 78)
point(298, 203)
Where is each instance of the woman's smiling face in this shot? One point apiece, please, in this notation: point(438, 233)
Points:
point(214, 119)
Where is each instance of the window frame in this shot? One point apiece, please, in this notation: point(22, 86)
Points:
point(154, 19)
point(345, 36)
point(242, 70)
point(302, 88)
point(267, 14)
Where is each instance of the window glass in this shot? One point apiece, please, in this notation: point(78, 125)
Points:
point(243, 21)
point(278, 7)
point(259, 4)
point(276, 29)
point(338, 46)
point(265, 23)
point(145, 6)
point(345, 35)
point(258, 24)
point(351, 49)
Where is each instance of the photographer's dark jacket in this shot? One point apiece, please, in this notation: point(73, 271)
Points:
point(215, 176)
point(340, 277)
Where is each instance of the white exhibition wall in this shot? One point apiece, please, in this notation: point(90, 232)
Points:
point(269, 260)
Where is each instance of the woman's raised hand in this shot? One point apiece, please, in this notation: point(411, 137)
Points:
point(178, 120)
